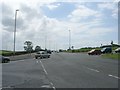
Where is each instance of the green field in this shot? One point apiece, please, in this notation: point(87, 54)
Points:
point(112, 56)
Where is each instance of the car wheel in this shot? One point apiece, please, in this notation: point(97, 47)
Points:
point(36, 57)
point(5, 61)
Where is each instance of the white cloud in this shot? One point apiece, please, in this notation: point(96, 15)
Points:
point(106, 5)
point(112, 6)
point(83, 12)
point(115, 13)
point(39, 26)
point(99, 31)
point(52, 6)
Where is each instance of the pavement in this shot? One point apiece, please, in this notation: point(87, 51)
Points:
point(61, 70)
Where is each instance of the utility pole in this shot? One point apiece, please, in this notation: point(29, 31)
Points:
point(15, 31)
point(45, 42)
point(69, 40)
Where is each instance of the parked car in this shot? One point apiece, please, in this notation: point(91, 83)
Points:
point(94, 52)
point(117, 50)
point(106, 50)
point(42, 54)
point(4, 59)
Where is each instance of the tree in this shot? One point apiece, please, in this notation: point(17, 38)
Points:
point(37, 48)
point(72, 47)
point(28, 46)
point(111, 42)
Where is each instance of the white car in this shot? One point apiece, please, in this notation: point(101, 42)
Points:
point(117, 50)
point(42, 54)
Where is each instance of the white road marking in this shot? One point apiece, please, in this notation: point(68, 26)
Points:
point(13, 61)
point(47, 75)
point(22, 60)
point(17, 61)
point(93, 69)
point(43, 68)
point(37, 61)
point(113, 76)
point(45, 86)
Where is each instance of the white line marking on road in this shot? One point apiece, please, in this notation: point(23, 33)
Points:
point(45, 86)
point(22, 60)
point(93, 70)
point(13, 61)
point(43, 68)
point(47, 75)
point(37, 61)
point(52, 86)
point(113, 76)
point(16, 61)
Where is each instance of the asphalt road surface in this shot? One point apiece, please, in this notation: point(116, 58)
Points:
point(61, 70)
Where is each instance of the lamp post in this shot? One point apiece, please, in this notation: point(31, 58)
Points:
point(69, 40)
point(45, 42)
point(15, 30)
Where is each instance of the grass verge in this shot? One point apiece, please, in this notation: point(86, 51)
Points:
point(10, 53)
point(112, 56)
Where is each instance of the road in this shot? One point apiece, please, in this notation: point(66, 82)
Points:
point(62, 70)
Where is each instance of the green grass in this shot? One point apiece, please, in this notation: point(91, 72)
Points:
point(112, 56)
point(82, 50)
point(0, 52)
point(6, 53)
point(10, 53)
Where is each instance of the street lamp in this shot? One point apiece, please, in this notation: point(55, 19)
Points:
point(15, 30)
point(69, 40)
point(46, 42)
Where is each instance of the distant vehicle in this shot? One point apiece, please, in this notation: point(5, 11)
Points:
point(94, 52)
point(57, 51)
point(117, 50)
point(42, 54)
point(48, 51)
point(106, 50)
point(4, 59)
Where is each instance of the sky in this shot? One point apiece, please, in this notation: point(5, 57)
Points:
point(47, 23)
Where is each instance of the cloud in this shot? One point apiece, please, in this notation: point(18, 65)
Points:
point(99, 31)
point(111, 6)
point(115, 13)
point(82, 12)
point(34, 25)
point(52, 6)
point(106, 5)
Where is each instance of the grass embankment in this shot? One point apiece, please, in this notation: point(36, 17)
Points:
point(112, 56)
point(82, 50)
point(6, 53)
point(10, 53)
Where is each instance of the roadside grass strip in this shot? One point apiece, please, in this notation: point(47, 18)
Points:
point(112, 56)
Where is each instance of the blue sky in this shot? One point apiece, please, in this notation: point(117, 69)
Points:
point(90, 23)
point(65, 8)
point(62, 11)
